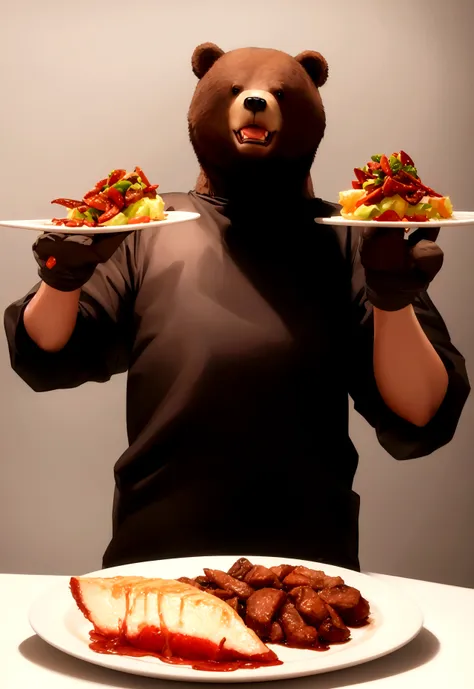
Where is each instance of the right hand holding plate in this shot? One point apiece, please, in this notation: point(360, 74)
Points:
point(67, 261)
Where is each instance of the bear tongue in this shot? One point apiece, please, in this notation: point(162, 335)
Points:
point(253, 132)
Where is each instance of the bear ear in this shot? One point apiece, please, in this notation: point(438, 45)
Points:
point(204, 56)
point(316, 66)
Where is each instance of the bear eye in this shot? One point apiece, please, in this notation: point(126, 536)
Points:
point(236, 90)
point(279, 94)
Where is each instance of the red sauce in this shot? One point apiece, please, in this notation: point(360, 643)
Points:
point(179, 649)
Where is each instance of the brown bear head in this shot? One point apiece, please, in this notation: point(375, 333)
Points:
point(256, 120)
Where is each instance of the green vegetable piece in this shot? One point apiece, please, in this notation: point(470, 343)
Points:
point(365, 212)
point(376, 158)
point(73, 214)
point(411, 170)
point(122, 186)
point(137, 209)
point(393, 203)
point(395, 164)
point(119, 219)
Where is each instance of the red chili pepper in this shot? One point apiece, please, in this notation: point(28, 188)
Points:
point(418, 183)
point(98, 202)
point(141, 174)
point(356, 185)
point(361, 175)
point(116, 197)
point(385, 165)
point(150, 187)
point(373, 197)
point(140, 220)
point(69, 203)
point(392, 187)
point(83, 208)
point(415, 197)
point(110, 213)
point(74, 223)
point(416, 218)
point(101, 183)
point(115, 177)
point(92, 192)
point(133, 195)
point(372, 165)
point(405, 159)
point(388, 216)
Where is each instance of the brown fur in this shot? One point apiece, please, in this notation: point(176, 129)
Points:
point(285, 169)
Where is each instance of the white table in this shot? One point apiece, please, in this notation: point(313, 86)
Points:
point(441, 657)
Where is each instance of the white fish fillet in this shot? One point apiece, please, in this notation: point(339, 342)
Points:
point(125, 607)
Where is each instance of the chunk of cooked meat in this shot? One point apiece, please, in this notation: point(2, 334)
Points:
point(329, 582)
point(282, 571)
point(260, 577)
point(296, 631)
point(262, 608)
point(318, 579)
point(309, 604)
point(221, 593)
point(191, 582)
point(293, 579)
point(276, 635)
point(356, 616)
point(333, 630)
point(341, 597)
point(204, 582)
point(240, 568)
point(234, 603)
point(228, 583)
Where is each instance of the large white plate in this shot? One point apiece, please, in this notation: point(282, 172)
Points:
point(395, 622)
point(173, 218)
point(459, 218)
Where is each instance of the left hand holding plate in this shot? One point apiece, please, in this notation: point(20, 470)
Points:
point(398, 268)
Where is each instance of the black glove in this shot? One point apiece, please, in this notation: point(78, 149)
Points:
point(397, 269)
point(67, 261)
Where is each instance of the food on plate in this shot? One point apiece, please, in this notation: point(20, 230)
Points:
point(389, 188)
point(173, 620)
point(220, 621)
point(121, 198)
point(295, 606)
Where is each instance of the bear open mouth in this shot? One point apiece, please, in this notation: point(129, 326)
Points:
point(253, 134)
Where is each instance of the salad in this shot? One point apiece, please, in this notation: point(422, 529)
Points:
point(122, 198)
point(390, 189)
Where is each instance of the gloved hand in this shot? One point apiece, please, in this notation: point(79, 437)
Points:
point(397, 269)
point(67, 261)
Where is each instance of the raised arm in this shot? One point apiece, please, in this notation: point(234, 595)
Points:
point(407, 379)
point(73, 326)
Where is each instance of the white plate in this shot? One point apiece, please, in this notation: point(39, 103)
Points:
point(459, 218)
point(395, 622)
point(173, 218)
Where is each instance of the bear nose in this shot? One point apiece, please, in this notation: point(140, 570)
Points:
point(255, 104)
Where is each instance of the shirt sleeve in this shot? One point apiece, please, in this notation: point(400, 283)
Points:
point(100, 344)
point(398, 437)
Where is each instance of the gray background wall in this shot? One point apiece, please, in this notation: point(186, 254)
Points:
point(88, 86)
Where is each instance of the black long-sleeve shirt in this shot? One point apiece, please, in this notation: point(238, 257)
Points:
point(243, 337)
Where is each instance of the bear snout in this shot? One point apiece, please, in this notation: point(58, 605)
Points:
point(255, 118)
point(255, 104)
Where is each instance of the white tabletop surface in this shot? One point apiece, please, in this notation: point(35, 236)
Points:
point(441, 657)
